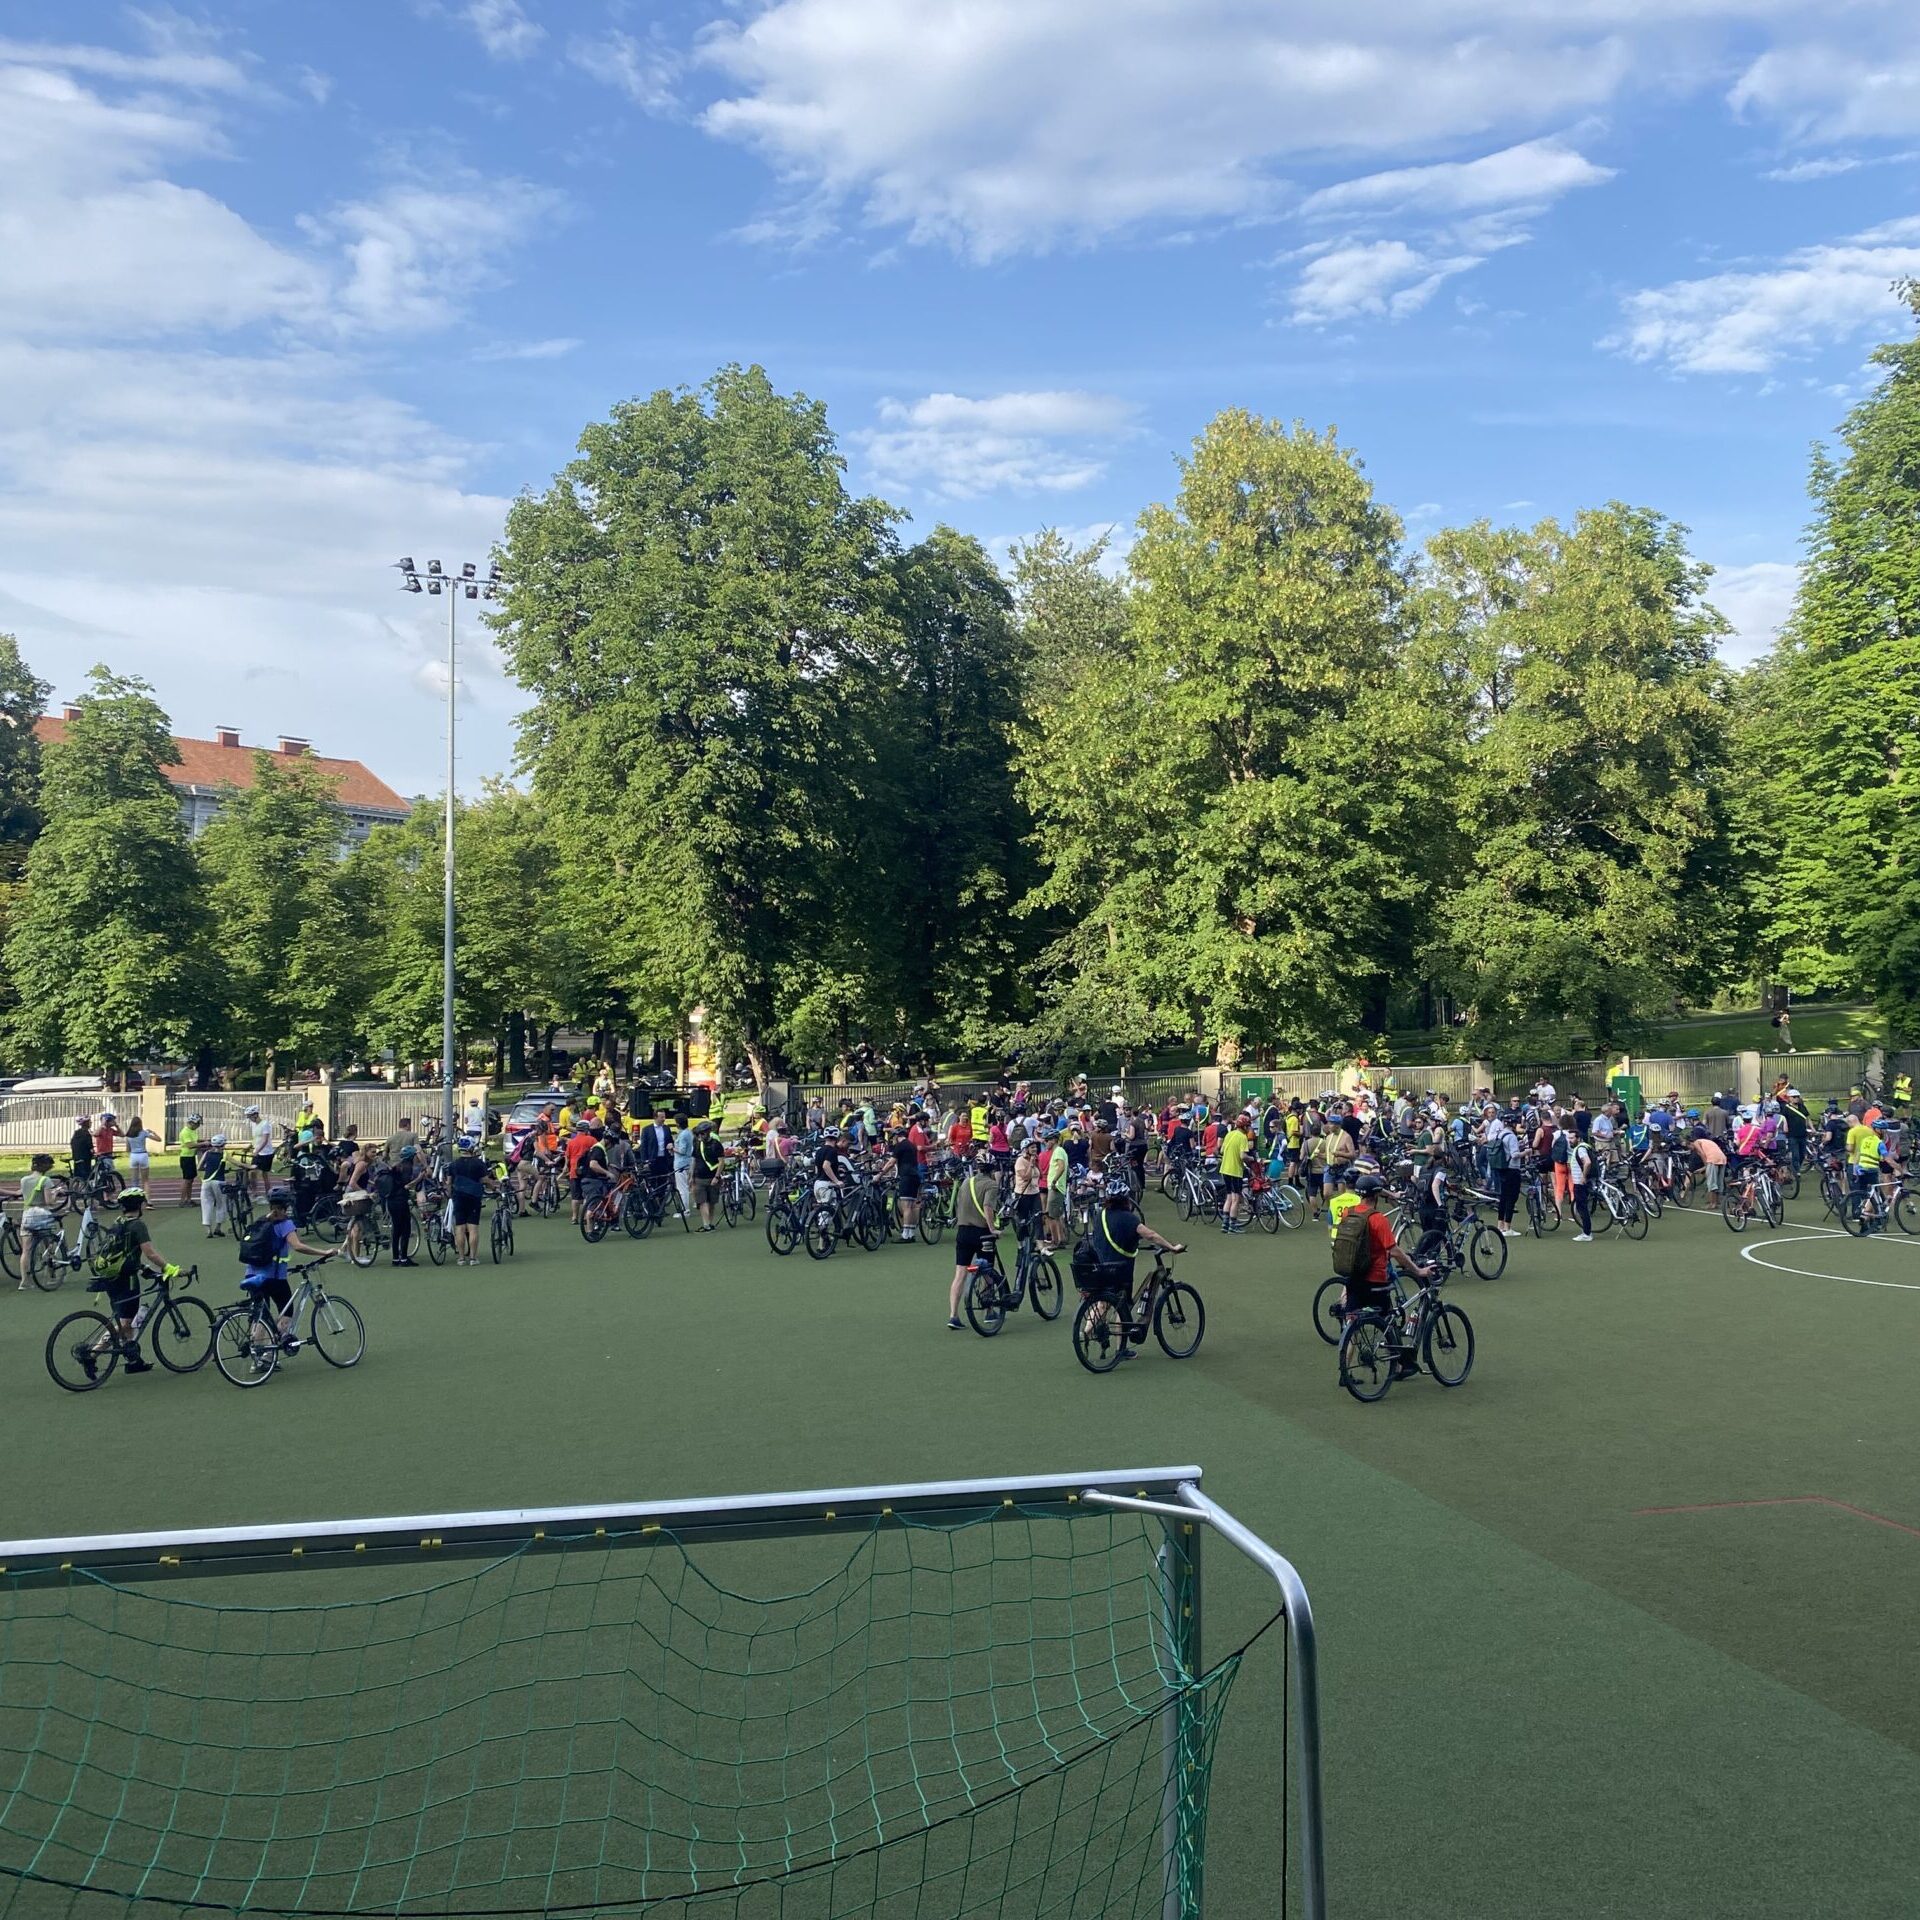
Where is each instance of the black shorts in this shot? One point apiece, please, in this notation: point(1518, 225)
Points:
point(907, 1185)
point(275, 1290)
point(1232, 1182)
point(967, 1243)
point(466, 1209)
point(1363, 1293)
point(1026, 1208)
point(263, 1163)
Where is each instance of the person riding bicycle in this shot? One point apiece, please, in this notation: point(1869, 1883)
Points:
point(123, 1254)
point(263, 1253)
point(1116, 1236)
point(974, 1200)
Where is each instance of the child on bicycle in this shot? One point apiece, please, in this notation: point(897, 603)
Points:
point(264, 1252)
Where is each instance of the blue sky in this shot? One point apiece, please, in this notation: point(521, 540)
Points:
point(287, 290)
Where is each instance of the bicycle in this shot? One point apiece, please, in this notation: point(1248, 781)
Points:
point(500, 1234)
point(248, 1345)
point(84, 1349)
point(1543, 1210)
point(990, 1298)
point(1753, 1192)
point(1379, 1346)
point(1870, 1209)
point(739, 1198)
point(1108, 1324)
point(620, 1201)
point(1275, 1203)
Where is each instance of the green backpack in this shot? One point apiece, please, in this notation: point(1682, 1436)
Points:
point(1350, 1256)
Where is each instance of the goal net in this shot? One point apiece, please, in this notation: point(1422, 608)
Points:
point(914, 1703)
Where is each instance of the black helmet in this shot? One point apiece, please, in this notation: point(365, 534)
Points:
point(1368, 1185)
point(279, 1197)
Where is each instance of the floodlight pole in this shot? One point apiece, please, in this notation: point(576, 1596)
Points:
point(432, 580)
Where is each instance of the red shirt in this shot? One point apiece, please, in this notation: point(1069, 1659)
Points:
point(103, 1137)
point(960, 1135)
point(921, 1142)
point(1381, 1244)
point(579, 1145)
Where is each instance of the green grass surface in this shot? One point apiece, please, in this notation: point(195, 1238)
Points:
point(1541, 1698)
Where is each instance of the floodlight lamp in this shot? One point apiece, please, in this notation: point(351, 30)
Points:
point(413, 583)
point(473, 593)
point(433, 586)
point(466, 570)
point(405, 565)
point(433, 566)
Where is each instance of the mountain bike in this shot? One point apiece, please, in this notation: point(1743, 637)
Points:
point(787, 1205)
point(500, 1234)
point(84, 1349)
point(1748, 1193)
point(620, 1202)
point(1108, 1325)
point(1381, 1345)
point(655, 1197)
point(990, 1297)
point(248, 1346)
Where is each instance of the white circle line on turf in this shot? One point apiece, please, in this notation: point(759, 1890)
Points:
point(1756, 1255)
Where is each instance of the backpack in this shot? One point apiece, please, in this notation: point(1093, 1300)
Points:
point(259, 1247)
point(115, 1256)
point(1350, 1243)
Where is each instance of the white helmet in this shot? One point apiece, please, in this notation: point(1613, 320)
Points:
point(1118, 1092)
point(219, 1140)
point(250, 1113)
point(1746, 1110)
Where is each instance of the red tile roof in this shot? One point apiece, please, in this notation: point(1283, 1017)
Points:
point(205, 763)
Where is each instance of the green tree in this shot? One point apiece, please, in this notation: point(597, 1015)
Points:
point(108, 948)
point(1236, 806)
point(288, 922)
point(698, 609)
point(1831, 742)
point(23, 699)
point(1591, 792)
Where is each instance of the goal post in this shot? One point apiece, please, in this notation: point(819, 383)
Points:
point(946, 1699)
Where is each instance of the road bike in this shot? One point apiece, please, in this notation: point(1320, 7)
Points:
point(84, 1349)
point(990, 1297)
point(1381, 1345)
point(1874, 1208)
point(1108, 1325)
point(248, 1346)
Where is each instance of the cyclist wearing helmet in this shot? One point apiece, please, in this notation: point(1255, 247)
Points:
point(188, 1147)
point(1117, 1235)
point(468, 1178)
point(974, 1201)
point(1371, 1285)
point(264, 1255)
point(124, 1254)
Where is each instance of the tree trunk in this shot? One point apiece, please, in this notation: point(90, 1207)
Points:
point(273, 1072)
point(757, 1060)
point(517, 1045)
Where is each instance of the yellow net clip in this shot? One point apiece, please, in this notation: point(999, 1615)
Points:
point(599, 1533)
point(1006, 1503)
point(650, 1526)
point(539, 1533)
point(359, 1546)
point(831, 1515)
point(296, 1551)
point(430, 1540)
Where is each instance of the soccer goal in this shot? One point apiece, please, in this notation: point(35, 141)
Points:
point(916, 1703)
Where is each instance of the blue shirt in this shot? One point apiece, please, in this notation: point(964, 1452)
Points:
point(276, 1269)
point(683, 1150)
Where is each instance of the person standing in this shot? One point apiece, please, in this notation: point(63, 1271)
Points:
point(1799, 1124)
point(401, 1173)
point(213, 1187)
point(683, 1165)
point(261, 1136)
point(704, 1170)
point(973, 1226)
point(188, 1147)
point(80, 1148)
point(906, 1178)
point(1235, 1144)
point(1580, 1179)
point(139, 1152)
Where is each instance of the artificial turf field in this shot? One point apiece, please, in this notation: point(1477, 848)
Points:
point(1626, 1625)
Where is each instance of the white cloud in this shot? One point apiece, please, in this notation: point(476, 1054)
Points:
point(1827, 166)
point(416, 252)
point(555, 349)
point(958, 448)
point(1756, 600)
point(502, 27)
point(1747, 321)
point(644, 70)
point(1007, 124)
point(167, 65)
point(1822, 91)
point(1385, 278)
point(1530, 174)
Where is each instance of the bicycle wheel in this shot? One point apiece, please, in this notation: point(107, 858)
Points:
point(730, 1205)
point(1179, 1320)
point(1633, 1218)
point(593, 1229)
point(338, 1333)
point(1448, 1346)
point(546, 1197)
point(71, 1356)
point(9, 1248)
point(181, 1335)
point(326, 1222)
point(636, 1220)
point(1043, 1287)
point(235, 1352)
point(107, 1183)
point(870, 1226)
point(1772, 1208)
point(783, 1228)
point(1190, 1202)
point(363, 1241)
point(1648, 1196)
point(438, 1241)
point(933, 1219)
point(749, 1202)
point(46, 1264)
point(1328, 1320)
point(1906, 1214)
point(823, 1233)
point(1857, 1214)
point(1366, 1356)
point(498, 1237)
point(1487, 1252)
point(1099, 1335)
point(1733, 1210)
point(55, 1195)
point(1682, 1188)
point(1292, 1204)
point(1789, 1184)
point(986, 1300)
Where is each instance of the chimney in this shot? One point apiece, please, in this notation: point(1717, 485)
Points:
point(226, 736)
point(291, 745)
point(69, 712)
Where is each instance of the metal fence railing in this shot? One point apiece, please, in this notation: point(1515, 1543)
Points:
point(1570, 1079)
point(1820, 1076)
point(37, 1120)
point(227, 1112)
point(1696, 1078)
point(377, 1111)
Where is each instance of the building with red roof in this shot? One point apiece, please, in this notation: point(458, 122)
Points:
point(208, 769)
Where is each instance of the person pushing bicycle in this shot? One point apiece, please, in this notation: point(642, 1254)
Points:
point(126, 1252)
point(264, 1252)
point(1116, 1235)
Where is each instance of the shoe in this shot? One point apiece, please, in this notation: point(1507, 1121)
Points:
point(1126, 1353)
point(403, 1261)
point(954, 1326)
point(1578, 1237)
point(289, 1345)
point(137, 1365)
point(1509, 1233)
point(89, 1364)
